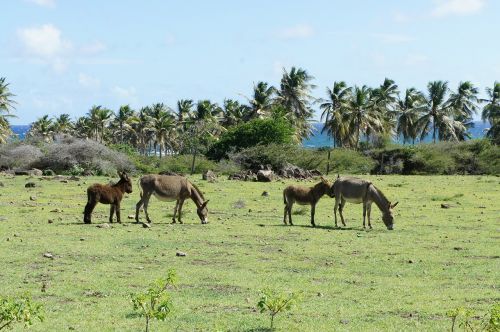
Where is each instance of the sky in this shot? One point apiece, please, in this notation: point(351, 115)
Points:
point(63, 56)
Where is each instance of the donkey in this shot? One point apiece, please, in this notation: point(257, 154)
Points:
point(304, 196)
point(107, 194)
point(354, 190)
point(170, 188)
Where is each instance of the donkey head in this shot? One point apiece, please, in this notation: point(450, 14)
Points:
point(387, 216)
point(126, 181)
point(203, 212)
point(326, 186)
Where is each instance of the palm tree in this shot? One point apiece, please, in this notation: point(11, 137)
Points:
point(491, 112)
point(385, 100)
point(164, 128)
point(122, 119)
point(234, 113)
point(332, 109)
point(261, 102)
point(464, 106)
point(408, 110)
point(142, 129)
point(83, 128)
point(362, 116)
point(184, 111)
point(295, 97)
point(6, 106)
point(63, 124)
point(43, 127)
point(436, 111)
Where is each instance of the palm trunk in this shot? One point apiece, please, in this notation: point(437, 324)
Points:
point(194, 159)
point(328, 163)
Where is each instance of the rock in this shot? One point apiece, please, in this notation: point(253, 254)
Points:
point(344, 321)
point(146, 225)
point(180, 254)
point(1, 184)
point(56, 210)
point(32, 198)
point(50, 221)
point(458, 248)
point(28, 172)
point(445, 206)
point(130, 216)
point(410, 261)
point(320, 294)
point(64, 181)
point(265, 176)
point(30, 185)
point(88, 172)
point(48, 255)
point(265, 194)
point(58, 177)
point(74, 178)
point(82, 239)
point(209, 176)
point(48, 172)
point(105, 225)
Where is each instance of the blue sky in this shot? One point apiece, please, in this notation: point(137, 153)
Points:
point(63, 56)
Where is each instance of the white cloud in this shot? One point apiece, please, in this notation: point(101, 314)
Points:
point(299, 31)
point(88, 81)
point(169, 39)
point(415, 59)
point(125, 94)
point(44, 3)
point(44, 41)
point(457, 7)
point(93, 48)
point(401, 17)
point(392, 38)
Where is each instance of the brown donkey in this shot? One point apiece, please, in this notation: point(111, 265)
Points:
point(303, 196)
point(107, 194)
point(355, 190)
point(171, 188)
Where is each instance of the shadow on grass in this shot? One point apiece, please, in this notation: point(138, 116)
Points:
point(260, 329)
point(335, 228)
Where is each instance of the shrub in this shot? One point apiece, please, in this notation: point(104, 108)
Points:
point(155, 303)
point(21, 310)
point(17, 155)
point(275, 302)
point(252, 133)
point(71, 153)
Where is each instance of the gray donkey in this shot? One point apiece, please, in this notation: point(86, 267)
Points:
point(171, 188)
point(355, 190)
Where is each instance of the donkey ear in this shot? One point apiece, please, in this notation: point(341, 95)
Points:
point(204, 204)
point(394, 205)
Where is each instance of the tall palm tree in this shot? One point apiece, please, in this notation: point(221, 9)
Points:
point(63, 124)
point(261, 101)
point(464, 104)
point(122, 119)
point(385, 100)
point(83, 128)
point(332, 108)
point(491, 112)
point(234, 112)
point(164, 128)
point(142, 129)
point(436, 111)
point(6, 106)
point(184, 112)
point(362, 116)
point(295, 97)
point(408, 114)
point(43, 127)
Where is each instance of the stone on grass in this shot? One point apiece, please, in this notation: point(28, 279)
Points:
point(30, 185)
point(180, 254)
point(105, 225)
point(48, 255)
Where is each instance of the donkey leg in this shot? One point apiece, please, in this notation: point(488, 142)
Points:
point(146, 204)
point(175, 212)
point(179, 211)
point(117, 210)
point(341, 208)
point(284, 214)
point(88, 212)
point(313, 210)
point(364, 214)
point(368, 212)
point(335, 208)
point(137, 208)
point(111, 212)
point(290, 214)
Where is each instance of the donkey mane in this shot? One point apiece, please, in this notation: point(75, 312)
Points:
point(380, 193)
point(198, 190)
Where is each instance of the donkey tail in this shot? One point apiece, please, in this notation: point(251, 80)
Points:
point(284, 197)
point(139, 186)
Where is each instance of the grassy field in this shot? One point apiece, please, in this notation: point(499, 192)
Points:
point(403, 280)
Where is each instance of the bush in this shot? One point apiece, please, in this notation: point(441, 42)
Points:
point(17, 155)
point(70, 154)
point(249, 134)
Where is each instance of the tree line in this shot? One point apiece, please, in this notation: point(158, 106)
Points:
point(350, 115)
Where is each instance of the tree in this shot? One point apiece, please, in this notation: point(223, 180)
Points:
point(464, 105)
point(261, 102)
point(122, 120)
point(43, 127)
point(99, 119)
point(295, 96)
point(332, 109)
point(436, 112)
point(6, 106)
point(491, 112)
point(408, 114)
point(63, 124)
point(234, 113)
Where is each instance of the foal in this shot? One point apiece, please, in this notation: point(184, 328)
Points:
point(304, 196)
point(107, 194)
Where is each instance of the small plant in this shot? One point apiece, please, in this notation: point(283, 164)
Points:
point(155, 303)
point(464, 318)
point(21, 310)
point(275, 302)
point(76, 170)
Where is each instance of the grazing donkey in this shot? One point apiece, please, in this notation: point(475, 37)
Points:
point(304, 196)
point(170, 188)
point(107, 194)
point(354, 190)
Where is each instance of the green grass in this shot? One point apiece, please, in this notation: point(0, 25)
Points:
point(351, 279)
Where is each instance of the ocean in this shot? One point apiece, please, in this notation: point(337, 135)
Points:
point(317, 140)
